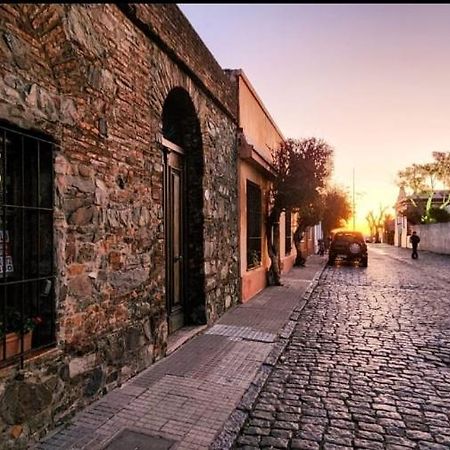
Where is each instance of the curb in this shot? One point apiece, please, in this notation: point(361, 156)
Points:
point(227, 437)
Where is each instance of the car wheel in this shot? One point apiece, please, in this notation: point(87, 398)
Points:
point(364, 262)
point(331, 260)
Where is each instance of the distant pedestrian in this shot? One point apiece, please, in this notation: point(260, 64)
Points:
point(414, 239)
point(321, 250)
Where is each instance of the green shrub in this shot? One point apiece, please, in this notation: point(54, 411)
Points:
point(439, 215)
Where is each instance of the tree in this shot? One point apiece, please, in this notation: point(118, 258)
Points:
point(439, 215)
point(412, 178)
point(303, 168)
point(389, 228)
point(424, 179)
point(308, 215)
point(376, 222)
point(443, 161)
point(336, 209)
point(443, 173)
point(372, 223)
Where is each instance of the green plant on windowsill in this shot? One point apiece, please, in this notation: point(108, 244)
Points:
point(255, 259)
point(13, 323)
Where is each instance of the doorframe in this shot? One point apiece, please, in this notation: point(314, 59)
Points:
point(171, 146)
point(168, 147)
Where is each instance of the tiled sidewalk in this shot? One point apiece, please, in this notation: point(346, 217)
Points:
point(197, 397)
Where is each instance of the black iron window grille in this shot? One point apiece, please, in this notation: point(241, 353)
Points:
point(288, 232)
point(27, 301)
point(254, 225)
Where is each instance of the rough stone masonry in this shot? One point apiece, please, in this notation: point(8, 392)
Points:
point(94, 78)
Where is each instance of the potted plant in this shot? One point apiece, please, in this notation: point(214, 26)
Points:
point(12, 330)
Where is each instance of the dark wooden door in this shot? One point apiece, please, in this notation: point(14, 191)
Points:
point(175, 240)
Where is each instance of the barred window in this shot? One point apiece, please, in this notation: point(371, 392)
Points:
point(288, 233)
point(254, 226)
point(27, 305)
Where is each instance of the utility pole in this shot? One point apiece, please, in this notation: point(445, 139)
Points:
point(354, 209)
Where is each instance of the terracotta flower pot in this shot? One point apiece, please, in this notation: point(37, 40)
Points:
point(13, 346)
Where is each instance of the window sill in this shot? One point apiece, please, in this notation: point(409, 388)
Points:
point(251, 269)
point(34, 357)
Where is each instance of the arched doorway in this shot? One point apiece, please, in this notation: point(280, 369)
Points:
point(183, 211)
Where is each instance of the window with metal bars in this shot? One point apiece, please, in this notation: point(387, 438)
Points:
point(288, 233)
point(27, 302)
point(254, 225)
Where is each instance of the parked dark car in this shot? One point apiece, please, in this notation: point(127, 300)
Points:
point(348, 246)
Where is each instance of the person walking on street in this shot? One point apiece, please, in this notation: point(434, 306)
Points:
point(321, 250)
point(414, 239)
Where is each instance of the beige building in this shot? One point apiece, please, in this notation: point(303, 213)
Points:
point(258, 134)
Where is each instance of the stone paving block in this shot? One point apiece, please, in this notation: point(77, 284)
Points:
point(48, 446)
point(242, 332)
point(304, 444)
point(132, 439)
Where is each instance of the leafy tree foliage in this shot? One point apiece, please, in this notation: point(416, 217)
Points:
point(309, 214)
point(426, 179)
point(336, 209)
point(439, 215)
point(303, 168)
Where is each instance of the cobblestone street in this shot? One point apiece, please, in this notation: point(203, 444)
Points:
point(368, 364)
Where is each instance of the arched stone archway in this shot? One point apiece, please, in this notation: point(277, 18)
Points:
point(183, 211)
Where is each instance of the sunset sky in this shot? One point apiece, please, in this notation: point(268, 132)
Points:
point(372, 80)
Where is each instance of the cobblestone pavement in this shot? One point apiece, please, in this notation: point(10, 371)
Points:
point(368, 363)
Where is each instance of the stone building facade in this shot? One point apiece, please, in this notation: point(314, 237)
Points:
point(132, 125)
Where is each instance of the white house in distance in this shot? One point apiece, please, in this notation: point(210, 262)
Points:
point(403, 226)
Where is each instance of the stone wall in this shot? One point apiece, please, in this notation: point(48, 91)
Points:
point(94, 79)
point(434, 237)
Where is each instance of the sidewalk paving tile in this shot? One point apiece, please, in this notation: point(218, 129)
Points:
point(190, 396)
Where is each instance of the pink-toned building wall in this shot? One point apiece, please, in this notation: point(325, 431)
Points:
point(259, 135)
point(308, 242)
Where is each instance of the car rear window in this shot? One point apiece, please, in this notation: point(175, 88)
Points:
point(347, 237)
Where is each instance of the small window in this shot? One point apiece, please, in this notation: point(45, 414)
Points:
point(27, 305)
point(288, 233)
point(254, 225)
